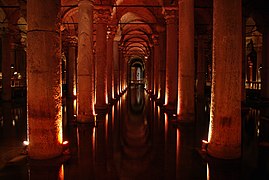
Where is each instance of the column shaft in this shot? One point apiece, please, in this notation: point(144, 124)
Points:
point(185, 108)
point(44, 80)
point(71, 71)
point(101, 59)
point(116, 68)
point(201, 68)
point(171, 60)
point(85, 67)
point(162, 68)
point(225, 113)
point(156, 75)
point(110, 68)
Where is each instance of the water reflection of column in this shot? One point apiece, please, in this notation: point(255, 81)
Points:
point(170, 150)
point(44, 170)
point(86, 152)
point(100, 150)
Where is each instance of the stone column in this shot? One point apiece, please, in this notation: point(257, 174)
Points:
point(110, 63)
point(225, 113)
point(147, 73)
point(116, 66)
point(186, 66)
point(101, 58)
point(201, 68)
point(157, 56)
point(6, 67)
point(265, 66)
point(121, 68)
point(44, 101)
point(71, 69)
point(162, 68)
point(85, 67)
point(171, 59)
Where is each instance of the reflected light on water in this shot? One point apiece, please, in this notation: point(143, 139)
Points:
point(178, 147)
point(106, 126)
point(61, 173)
point(165, 126)
point(112, 118)
point(207, 172)
point(93, 138)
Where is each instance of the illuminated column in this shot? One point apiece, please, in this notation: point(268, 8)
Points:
point(265, 66)
point(157, 55)
point(186, 67)
point(201, 64)
point(110, 64)
point(85, 67)
point(225, 113)
point(116, 66)
point(121, 68)
point(147, 73)
point(101, 58)
point(6, 65)
point(44, 79)
point(71, 68)
point(162, 67)
point(171, 59)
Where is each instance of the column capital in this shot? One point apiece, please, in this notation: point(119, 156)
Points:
point(170, 14)
point(155, 39)
point(88, 2)
point(102, 14)
point(72, 40)
point(111, 31)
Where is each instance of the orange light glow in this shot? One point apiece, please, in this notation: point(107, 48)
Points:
point(113, 115)
point(159, 94)
point(75, 91)
point(59, 127)
point(75, 106)
point(210, 127)
point(165, 126)
point(26, 143)
point(106, 126)
point(93, 138)
point(166, 97)
point(178, 148)
point(61, 173)
point(207, 172)
point(65, 142)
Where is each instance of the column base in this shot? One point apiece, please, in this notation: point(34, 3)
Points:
point(171, 109)
point(186, 118)
point(85, 118)
point(101, 109)
point(223, 151)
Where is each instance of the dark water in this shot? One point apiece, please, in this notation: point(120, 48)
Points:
point(136, 140)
